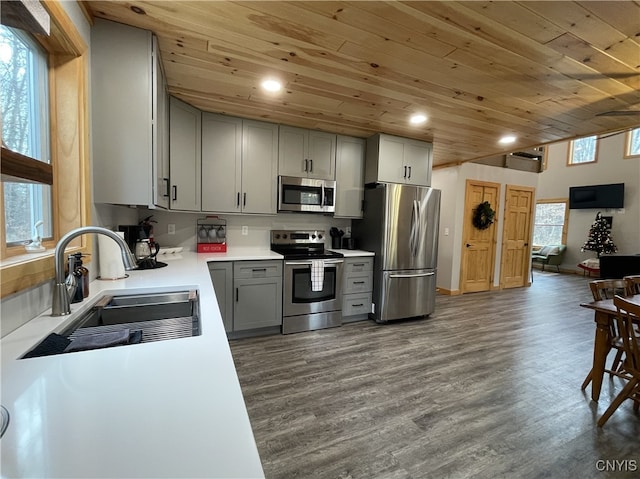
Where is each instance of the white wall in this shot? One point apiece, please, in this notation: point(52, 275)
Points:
point(611, 167)
point(452, 182)
point(259, 227)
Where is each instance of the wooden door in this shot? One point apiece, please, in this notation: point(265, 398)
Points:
point(516, 236)
point(478, 246)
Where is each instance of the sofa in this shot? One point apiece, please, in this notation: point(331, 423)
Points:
point(549, 255)
point(614, 266)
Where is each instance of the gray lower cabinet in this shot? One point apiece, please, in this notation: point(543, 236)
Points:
point(357, 288)
point(222, 278)
point(249, 293)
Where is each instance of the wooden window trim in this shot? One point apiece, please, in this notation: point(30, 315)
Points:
point(627, 145)
point(23, 169)
point(69, 120)
point(595, 154)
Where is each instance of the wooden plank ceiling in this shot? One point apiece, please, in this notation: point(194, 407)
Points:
point(542, 71)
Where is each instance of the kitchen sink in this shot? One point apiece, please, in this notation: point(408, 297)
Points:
point(159, 316)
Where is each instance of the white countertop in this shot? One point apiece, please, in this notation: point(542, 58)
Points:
point(351, 253)
point(165, 409)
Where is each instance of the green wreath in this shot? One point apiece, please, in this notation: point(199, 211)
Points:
point(483, 216)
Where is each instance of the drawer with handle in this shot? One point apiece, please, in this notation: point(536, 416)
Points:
point(356, 304)
point(257, 269)
point(358, 283)
point(357, 265)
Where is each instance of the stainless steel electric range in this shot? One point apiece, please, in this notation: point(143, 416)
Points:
point(312, 282)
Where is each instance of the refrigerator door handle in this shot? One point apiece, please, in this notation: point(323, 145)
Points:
point(415, 229)
point(411, 275)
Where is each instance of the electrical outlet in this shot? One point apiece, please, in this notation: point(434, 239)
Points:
point(245, 230)
point(171, 229)
point(347, 231)
point(446, 231)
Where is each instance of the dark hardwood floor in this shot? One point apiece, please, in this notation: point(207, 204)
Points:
point(487, 387)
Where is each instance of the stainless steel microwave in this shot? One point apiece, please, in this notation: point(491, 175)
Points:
point(306, 195)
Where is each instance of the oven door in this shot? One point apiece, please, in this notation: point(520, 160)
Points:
point(299, 298)
point(306, 195)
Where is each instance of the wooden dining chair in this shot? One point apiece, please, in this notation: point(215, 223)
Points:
point(633, 284)
point(607, 289)
point(628, 314)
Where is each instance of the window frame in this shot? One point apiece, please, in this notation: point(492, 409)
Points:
point(69, 156)
point(570, 161)
point(565, 224)
point(627, 144)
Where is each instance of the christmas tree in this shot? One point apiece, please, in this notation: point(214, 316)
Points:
point(599, 239)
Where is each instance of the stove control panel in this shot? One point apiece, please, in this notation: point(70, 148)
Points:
point(297, 237)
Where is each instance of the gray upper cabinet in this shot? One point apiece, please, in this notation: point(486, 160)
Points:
point(221, 163)
point(394, 159)
point(350, 155)
point(306, 153)
point(161, 141)
point(126, 86)
point(239, 165)
point(185, 129)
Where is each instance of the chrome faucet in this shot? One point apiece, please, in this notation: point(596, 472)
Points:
point(60, 305)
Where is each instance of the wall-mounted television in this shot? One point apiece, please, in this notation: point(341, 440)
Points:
point(596, 196)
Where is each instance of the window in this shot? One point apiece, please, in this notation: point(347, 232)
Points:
point(68, 155)
point(583, 150)
point(632, 145)
point(25, 129)
point(550, 224)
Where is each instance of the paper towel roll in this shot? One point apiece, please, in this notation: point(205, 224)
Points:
point(111, 265)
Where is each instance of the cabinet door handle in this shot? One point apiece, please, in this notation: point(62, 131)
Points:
point(258, 269)
point(244, 199)
point(409, 172)
point(311, 164)
point(238, 200)
point(237, 294)
point(358, 282)
point(405, 172)
point(166, 195)
point(359, 305)
point(306, 165)
point(358, 264)
point(175, 192)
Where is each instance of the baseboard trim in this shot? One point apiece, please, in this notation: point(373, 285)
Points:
point(450, 292)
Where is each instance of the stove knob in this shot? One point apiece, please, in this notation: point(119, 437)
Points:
point(319, 236)
point(278, 236)
point(313, 236)
point(284, 236)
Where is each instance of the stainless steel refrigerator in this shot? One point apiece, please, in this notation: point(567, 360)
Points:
point(400, 226)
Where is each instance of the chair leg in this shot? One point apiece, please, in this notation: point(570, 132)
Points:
point(542, 266)
point(617, 362)
point(558, 268)
point(624, 394)
point(587, 380)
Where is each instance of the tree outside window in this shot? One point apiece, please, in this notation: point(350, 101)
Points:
point(632, 149)
point(550, 224)
point(25, 115)
point(583, 150)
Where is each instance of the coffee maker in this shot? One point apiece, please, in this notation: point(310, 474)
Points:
point(133, 233)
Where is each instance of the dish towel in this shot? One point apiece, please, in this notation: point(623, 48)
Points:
point(97, 341)
point(317, 275)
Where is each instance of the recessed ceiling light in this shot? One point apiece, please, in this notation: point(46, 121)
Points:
point(272, 85)
point(417, 119)
point(506, 140)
